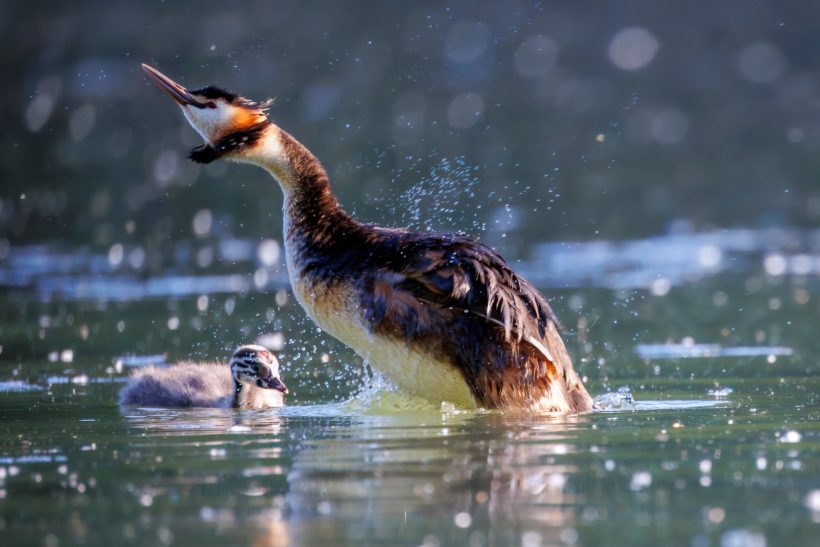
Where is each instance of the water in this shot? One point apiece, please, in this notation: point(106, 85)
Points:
point(673, 472)
point(708, 431)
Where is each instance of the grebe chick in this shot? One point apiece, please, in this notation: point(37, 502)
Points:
point(252, 382)
point(441, 315)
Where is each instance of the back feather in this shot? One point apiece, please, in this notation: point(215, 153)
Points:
point(181, 385)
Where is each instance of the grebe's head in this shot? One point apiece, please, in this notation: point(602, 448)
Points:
point(255, 365)
point(230, 124)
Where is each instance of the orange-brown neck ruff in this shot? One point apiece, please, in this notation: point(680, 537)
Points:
point(234, 141)
point(444, 296)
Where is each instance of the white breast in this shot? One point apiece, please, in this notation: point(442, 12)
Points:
point(337, 312)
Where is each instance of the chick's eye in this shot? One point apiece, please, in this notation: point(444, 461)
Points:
point(210, 104)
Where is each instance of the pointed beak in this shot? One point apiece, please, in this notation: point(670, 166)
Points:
point(267, 380)
point(176, 91)
point(276, 383)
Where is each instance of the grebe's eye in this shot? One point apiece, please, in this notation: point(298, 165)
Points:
point(210, 104)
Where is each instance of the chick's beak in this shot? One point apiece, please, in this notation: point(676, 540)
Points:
point(176, 91)
point(276, 383)
point(268, 381)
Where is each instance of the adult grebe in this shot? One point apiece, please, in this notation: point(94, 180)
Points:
point(442, 315)
point(251, 382)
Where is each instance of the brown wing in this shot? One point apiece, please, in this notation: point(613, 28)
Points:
point(440, 280)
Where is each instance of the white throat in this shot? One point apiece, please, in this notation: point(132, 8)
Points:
point(269, 154)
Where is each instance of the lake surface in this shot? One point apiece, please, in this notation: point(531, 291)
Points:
point(707, 371)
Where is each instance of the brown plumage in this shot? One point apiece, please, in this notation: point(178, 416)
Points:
point(458, 298)
point(472, 329)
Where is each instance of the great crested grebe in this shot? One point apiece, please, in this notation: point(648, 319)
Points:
point(251, 382)
point(441, 315)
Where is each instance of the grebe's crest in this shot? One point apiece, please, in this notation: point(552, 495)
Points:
point(213, 93)
point(257, 366)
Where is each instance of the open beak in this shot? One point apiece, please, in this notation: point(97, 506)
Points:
point(176, 91)
point(276, 383)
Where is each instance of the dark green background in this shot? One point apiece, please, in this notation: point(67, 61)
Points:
point(343, 73)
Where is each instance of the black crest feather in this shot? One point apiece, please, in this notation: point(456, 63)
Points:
point(204, 154)
point(213, 92)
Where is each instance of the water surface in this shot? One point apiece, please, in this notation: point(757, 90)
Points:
point(708, 433)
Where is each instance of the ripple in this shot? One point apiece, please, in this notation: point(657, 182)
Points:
point(679, 404)
point(657, 264)
point(623, 400)
point(675, 259)
point(13, 386)
point(697, 351)
point(141, 360)
point(84, 379)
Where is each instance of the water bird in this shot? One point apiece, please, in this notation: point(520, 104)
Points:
point(251, 381)
point(442, 315)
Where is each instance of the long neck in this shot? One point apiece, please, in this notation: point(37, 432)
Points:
point(313, 215)
point(239, 394)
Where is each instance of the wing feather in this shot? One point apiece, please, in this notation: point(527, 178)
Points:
point(441, 275)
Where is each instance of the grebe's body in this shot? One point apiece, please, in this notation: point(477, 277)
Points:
point(441, 315)
point(251, 381)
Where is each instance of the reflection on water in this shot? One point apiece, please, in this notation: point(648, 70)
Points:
point(349, 473)
point(706, 431)
point(386, 469)
point(503, 479)
point(485, 483)
point(200, 421)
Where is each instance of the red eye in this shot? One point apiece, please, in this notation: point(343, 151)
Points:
point(210, 104)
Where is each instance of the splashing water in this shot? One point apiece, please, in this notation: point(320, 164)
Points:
point(378, 395)
point(619, 400)
point(443, 199)
point(623, 400)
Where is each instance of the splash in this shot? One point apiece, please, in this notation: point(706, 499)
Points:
point(442, 199)
point(445, 198)
point(619, 400)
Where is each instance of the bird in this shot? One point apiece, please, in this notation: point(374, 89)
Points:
point(441, 315)
point(251, 381)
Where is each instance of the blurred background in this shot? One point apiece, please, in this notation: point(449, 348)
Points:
point(591, 120)
point(689, 136)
